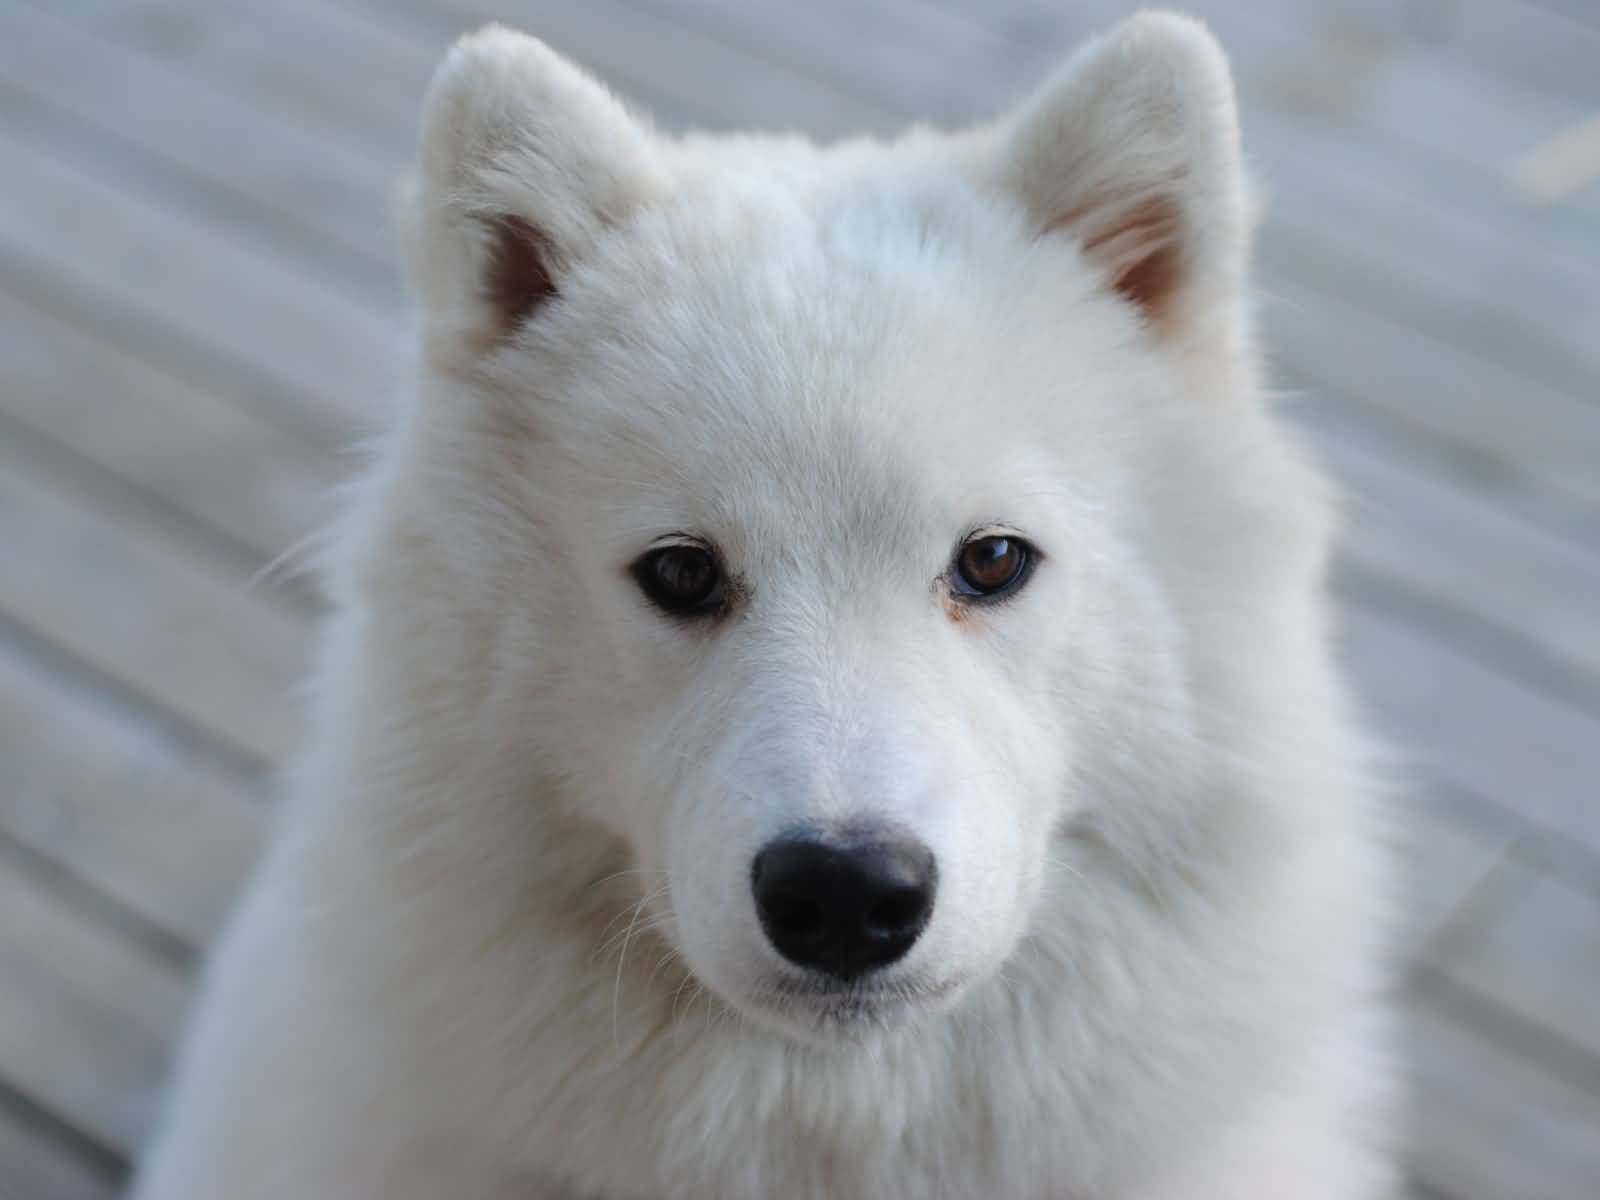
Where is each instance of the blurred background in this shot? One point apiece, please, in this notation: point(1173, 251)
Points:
point(199, 309)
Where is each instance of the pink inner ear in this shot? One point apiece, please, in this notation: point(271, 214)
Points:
point(1142, 250)
point(519, 277)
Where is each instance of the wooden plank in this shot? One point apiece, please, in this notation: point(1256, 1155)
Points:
point(1531, 47)
point(1488, 1126)
point(147, 613)
point(1478, 211)
point(35, 1166)
point(257, 483)
point(1438, 101)
point(918, 62)
point(1403, 76)
point(1432, 295)
point(1581, 11)
point(1502, 435)
point(1349, 199)
point(357, 66)
point(1445, 856)
point(1353, 63)
point(271, 177)
point(122, 804)
point(1474, 729)
point(1539, 955)
point(76, 222)
point(1452, 550)
point(330, 65)
point(90, 1022)
point(338, 50)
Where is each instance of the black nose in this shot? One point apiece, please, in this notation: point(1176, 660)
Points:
point(843, 907)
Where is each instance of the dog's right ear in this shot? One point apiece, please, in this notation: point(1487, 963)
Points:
point(525, 162)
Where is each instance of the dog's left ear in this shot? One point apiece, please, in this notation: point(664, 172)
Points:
point(1133, 150)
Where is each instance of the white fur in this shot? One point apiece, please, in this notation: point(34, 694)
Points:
point(504, 944)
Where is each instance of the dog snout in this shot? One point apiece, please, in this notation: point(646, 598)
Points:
point(843, 907)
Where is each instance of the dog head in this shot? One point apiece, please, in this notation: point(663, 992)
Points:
point(849, 532)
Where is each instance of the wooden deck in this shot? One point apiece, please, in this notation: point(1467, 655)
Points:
point(198, 309)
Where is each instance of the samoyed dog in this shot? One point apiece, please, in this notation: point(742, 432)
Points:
point(829, 694)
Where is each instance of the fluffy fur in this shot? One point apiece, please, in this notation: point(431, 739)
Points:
point(504, 944)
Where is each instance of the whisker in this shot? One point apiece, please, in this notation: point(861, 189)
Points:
point(1066, 866)
point(689, 982)
point(661, 962)
point(634, 910)
point(616, 987)
point(623, 874)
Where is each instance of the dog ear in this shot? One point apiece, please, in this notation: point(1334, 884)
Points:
point(525, 162)
point(1133, 150)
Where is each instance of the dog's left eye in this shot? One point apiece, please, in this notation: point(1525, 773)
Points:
point(991, 566)
point(685, 581)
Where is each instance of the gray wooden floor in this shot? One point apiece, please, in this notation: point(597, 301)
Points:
point(198, 309)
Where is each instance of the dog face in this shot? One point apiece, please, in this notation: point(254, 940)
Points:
point(828, 586)
point(825, 519)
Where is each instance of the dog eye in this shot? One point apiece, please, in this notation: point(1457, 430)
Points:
point(682, 580)
point(991, 566)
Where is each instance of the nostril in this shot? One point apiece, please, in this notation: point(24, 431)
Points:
point(898, 912)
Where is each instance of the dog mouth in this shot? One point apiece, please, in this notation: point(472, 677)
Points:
point(852, 1010)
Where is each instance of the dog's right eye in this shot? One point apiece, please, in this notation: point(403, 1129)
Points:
point(685, 581)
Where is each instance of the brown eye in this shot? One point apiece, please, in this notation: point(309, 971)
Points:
point(685, 581)
point(991, 566)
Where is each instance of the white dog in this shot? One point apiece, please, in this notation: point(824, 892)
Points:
point(829, 695)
